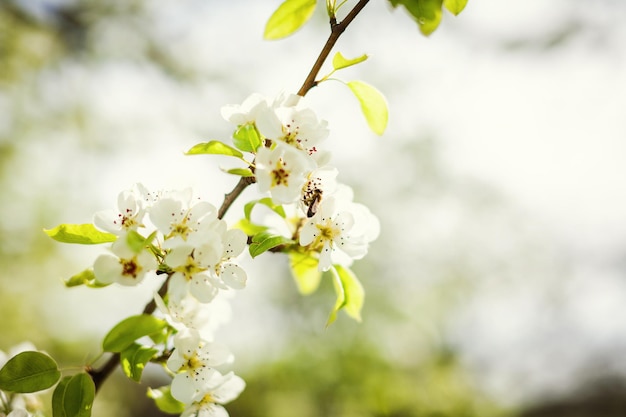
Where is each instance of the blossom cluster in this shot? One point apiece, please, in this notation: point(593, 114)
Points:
point(294, 170)
point(172, 233)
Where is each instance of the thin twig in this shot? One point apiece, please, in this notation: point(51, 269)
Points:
point(230, 198)
point(101, 374)
point(336, 29)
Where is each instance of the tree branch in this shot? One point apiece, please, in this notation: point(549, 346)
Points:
point(230, 198)
point(336, 29)
point(101, 374)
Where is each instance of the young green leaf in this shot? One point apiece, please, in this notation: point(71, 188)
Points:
point(305, 272)
point(268, 202)
point(262, 242)
point(247, 138)
point(82, 278)
point(214, 147)
point(243, 172)
point(164, 401)
point(455, 6)
point(84, 234)
point(288, 18)
point(249, 228)
point(339, 61)
point(373, 105)
point(350, 294)
point(427, 13)
point(128, 330)
point(135, 241)
point(134, 359)
point(74, 396)
point(58, 397)
point(29, 372)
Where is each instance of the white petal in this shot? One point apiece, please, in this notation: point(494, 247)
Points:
point(175, 361)
point(308, 233)
point(187, 340)
point(234, 276)
point(325, 261)
point(203, 287)
point(166, 212)
point(108, 221)
point(268, 124)
point(183, 388)
point(215, 354)
point(178, 287)
point(229, 389)
point(235, 242)
point(209, 253)
point(210, 410)
point(107, 268)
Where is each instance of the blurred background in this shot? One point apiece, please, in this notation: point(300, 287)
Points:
point(498, 283)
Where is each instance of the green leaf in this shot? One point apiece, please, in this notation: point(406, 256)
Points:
point(305, 272)
point(85, 277)
point(134, 359)
point(128, 330)
point(262, 242)
point(82, 278)
point(244, 172)
point(350, 294)
point(455, 6)
point(339, 61)
point(164, 401)
point(214, 147)
point(29, 372)
point(427, 13)
point(249, 228)
point(135, 241)
point(78, 396)
point(58, 397)
point(84, 234)
point(373, 105)
point(247, 138)
point(288, 18)
point(268, 202)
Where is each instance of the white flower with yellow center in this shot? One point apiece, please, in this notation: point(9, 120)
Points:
point(222, 390)
point(192, 268)
point(245, 113)
point(129, 213)
point(289, 122)
point(193, 360)
point(179, 220)
point(283, 172)
point(339, 231)
point(125, 265)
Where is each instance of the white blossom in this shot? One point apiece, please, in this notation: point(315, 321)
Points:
point(222, 389)
point(247, 112)
point(124, 265)
point(290, 123)
point(193, 360)
point(129, 213)
point(204, 269)
point(179, 220)
point(340, 231)
point(188, 312)
point(320, 183)
point(283, 172)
